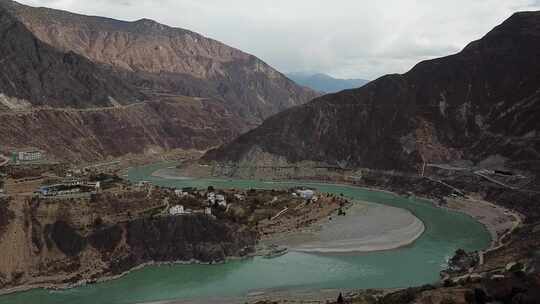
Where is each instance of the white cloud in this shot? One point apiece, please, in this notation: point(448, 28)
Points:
point(345, 38)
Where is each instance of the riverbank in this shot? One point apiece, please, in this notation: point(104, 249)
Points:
point(321, 296)
point(365, 227)
point(499, 221)
point(169, 173)
point(104, 279)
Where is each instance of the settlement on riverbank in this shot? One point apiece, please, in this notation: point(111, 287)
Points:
point(363, 227)
point(498, 221)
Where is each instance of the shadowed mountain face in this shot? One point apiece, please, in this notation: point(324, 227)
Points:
point(481, 102)
point(97, 69)
point(325, 83)
point(37, 73)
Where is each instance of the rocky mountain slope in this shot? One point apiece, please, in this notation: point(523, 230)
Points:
point(35, 73)
point(168, 60)
point(479, 104)
point(89, 65)
point(141, 128)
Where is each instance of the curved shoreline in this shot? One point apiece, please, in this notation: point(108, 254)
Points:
point(163, 173)
point(373, 247)
point(52, 286)
point(81, 283)
point(494, 229)
point(367, 227)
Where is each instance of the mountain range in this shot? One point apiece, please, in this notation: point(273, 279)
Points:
point(325, 83)
point(481, 103)
point(84, 88)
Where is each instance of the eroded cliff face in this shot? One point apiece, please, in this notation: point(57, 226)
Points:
point(55, 244)
point(472, 105)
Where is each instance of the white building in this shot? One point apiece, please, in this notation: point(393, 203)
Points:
point(211, 198)
point(216, 198)
point(306, 194)
point(208, 211)
point(220, 199)
point(180, 193)
point(176, 210)
point(28, 155)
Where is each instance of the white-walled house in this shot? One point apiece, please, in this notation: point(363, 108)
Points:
point(176, 210)
point(220, 199)
point(211, 198)
point(216, 198)
point(306, 194)
point(181, 193)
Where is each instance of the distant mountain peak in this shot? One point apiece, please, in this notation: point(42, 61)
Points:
point(146, 21)
point(325, 83)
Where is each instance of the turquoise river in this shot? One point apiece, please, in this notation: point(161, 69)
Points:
point(417, 264)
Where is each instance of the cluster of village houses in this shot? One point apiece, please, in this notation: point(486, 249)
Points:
point(75, 183)
point(69, 186)
point(212, 199)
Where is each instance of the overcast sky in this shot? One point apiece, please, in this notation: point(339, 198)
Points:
point(343, 38)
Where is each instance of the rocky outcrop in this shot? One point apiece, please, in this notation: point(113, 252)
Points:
point(66, 238)
point(199, 238)
point(471, 105)
point(105, 240)
point(61, 243)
